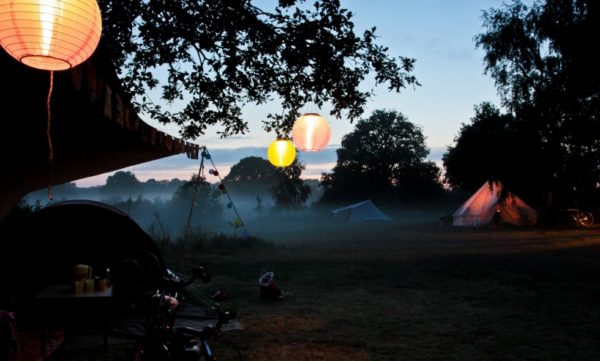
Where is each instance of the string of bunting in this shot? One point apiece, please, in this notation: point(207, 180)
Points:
point(113, 106)
point(237, 223)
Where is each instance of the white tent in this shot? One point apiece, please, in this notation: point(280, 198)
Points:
point(484, 204)
point(360, 212)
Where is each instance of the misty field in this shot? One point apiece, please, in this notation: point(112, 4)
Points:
point(418, 291)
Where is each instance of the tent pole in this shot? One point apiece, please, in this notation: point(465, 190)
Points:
point(186, 230)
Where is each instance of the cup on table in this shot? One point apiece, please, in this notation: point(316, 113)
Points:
point(78, 287)
point(89, 285)
point(102, 284)
point(82, 272)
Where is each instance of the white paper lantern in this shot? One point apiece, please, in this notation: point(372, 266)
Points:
point(50, 34)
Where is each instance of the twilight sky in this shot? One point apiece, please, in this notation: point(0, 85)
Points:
point(437, 33)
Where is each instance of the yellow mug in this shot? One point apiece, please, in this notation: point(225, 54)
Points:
point(89, 285)
point(82, 272)
point(78, 287)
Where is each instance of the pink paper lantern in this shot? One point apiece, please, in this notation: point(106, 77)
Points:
point(311, 132)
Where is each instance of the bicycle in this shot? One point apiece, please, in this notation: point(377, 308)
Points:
point(583, 219)
point(163, 341)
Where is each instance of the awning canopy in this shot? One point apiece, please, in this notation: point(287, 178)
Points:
point(94, 128)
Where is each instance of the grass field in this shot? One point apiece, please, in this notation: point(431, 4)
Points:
point(398, 291)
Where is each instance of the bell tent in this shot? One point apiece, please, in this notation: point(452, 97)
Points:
point(360, 212)
point(487, 203)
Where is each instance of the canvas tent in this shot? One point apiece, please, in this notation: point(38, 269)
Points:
point(360, 212)
point(484, 204)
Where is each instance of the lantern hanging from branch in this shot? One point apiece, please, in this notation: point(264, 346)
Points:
point(311, 132)
point(50, 34)
point(281, 153)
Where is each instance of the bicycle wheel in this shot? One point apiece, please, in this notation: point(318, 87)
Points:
point(586, 219)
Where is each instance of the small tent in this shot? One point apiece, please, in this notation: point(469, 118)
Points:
point(486, 203)
point(360, 212)
point(42, 248)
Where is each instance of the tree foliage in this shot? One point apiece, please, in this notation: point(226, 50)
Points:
point(215, 56)
point(541, 58)
point(494, 146)
point(122, 184)
point(252, 170)
point(160, 187)
point(202, 193)
point(290, 190)
point(383, 156)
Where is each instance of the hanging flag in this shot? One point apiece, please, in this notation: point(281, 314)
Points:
point(119, 109)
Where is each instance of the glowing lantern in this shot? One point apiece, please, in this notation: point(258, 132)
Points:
point(50, 34)
point(311, 132)
point(281, 153)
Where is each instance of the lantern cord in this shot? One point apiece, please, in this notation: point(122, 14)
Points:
point(237, 214)
point(49, 136)
point(191, 211)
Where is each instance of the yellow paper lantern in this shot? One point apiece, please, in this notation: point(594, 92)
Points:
point(50, 34)
point(311, 132)
point(281, 153)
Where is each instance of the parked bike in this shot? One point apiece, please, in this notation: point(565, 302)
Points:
point(163, 341)
point(582, 219)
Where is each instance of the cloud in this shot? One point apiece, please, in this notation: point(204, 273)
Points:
point(314, 170)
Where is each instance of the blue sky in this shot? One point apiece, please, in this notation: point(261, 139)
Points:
point(437, 33)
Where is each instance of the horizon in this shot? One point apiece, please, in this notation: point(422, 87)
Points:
point(181, 167)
